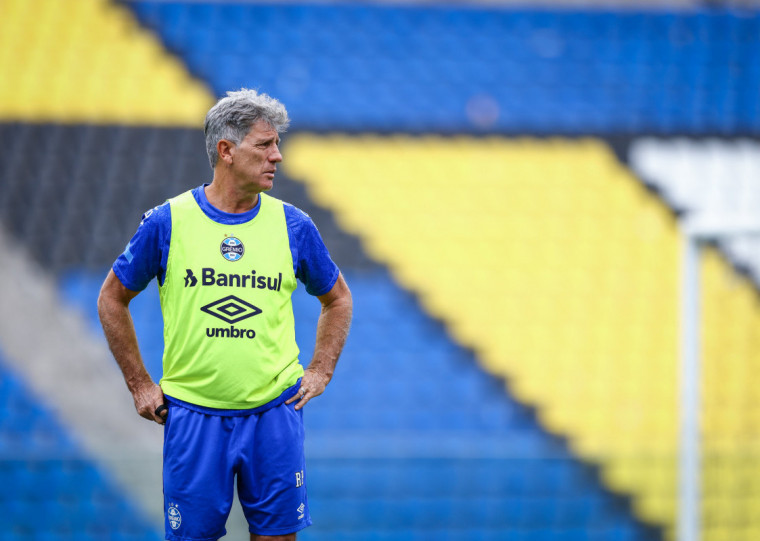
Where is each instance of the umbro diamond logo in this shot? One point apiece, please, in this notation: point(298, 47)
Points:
point(231, 309)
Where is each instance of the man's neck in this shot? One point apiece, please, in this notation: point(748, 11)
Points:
point(229, 199)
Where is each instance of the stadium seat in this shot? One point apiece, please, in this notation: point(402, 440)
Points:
point(557, 64)
point(606, 349)
point(556, 270)
point(43, 473)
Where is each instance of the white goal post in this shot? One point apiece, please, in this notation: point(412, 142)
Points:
point(696, 232)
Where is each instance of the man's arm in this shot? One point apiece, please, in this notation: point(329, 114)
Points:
point(113, 309)
point(332, 330)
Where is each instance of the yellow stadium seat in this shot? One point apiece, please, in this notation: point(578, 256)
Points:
point(572, 295)
point(90, 61)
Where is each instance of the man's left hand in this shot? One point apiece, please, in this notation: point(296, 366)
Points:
point(312, 384)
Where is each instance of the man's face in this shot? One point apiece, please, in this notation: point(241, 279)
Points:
point(255, 159)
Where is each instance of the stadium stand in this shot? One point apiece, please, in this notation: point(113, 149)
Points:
point(516, 241)
point(90, 62)
point(50, 347)
point(514, 374)
point(448, 68)
point(49, 488)
point(381, 302)
point(720, 179)
point(712, 178)
point(112, 175)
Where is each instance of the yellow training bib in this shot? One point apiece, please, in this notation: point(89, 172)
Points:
point(229, 334)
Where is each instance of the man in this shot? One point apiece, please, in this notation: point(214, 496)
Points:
point(227, 256)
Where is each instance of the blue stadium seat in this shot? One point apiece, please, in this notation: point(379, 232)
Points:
point(363, 46)
point(44, 474)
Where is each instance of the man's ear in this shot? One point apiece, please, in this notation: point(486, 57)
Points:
point(225, 149)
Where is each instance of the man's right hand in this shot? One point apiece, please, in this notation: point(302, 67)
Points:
point(113, 309)
point(147, 399)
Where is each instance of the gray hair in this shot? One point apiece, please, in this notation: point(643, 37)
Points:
point(234, 115)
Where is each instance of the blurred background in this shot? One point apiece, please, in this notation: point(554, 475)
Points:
point(503, 185)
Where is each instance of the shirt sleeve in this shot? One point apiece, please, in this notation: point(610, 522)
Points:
point(312, 263)
point(146, 255)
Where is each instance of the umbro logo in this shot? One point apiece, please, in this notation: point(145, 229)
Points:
point(231, 309)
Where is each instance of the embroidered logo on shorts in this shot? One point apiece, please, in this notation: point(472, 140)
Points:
point(300, 510)
point(174, 516)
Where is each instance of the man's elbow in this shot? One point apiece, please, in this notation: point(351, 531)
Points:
point(345, 306)
point(104, 302)
point(344, 300)
point(349, 301)
point(112, 295)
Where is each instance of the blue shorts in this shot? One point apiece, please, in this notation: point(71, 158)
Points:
point(204, 449)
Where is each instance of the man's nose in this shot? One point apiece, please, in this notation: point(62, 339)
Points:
point(275, 156)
